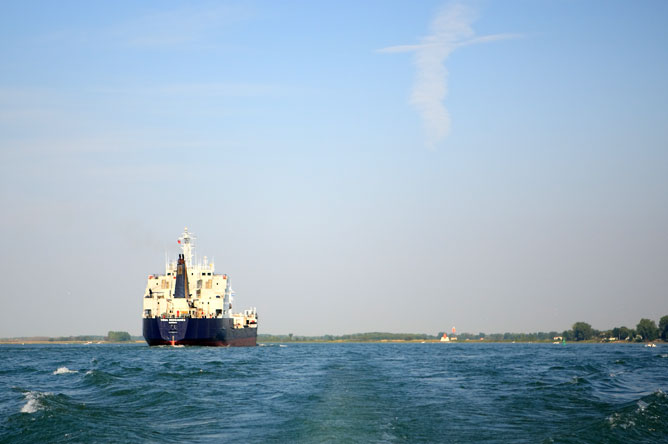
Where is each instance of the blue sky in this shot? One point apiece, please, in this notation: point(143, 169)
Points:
point(392, 166)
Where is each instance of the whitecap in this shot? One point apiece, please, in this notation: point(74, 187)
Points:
point(621, 421)
point(63, 370)
point(32, 404)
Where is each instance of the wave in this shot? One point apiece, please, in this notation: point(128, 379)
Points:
point(335, 393)
point(578, 381)
point(98, 378)
point(33, 402)
point(646, 417)
point(64, 370)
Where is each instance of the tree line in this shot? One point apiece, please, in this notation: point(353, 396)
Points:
point(112, 336)
point(355, 337)
point(645, 330)
point(75, 338)
point(118, 336)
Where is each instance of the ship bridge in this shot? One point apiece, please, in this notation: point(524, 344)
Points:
point(207, 294)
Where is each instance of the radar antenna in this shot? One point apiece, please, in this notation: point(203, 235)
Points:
point(187, 246)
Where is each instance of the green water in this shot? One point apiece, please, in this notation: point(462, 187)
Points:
point(350, 393)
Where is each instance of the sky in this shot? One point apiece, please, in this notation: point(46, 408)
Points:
point(353, 166)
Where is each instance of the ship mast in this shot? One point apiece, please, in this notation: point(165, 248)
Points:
point(187, 246)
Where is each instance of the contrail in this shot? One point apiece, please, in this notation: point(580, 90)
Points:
point(450, 30)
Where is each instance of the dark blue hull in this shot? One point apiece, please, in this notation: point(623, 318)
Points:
point(197, 331)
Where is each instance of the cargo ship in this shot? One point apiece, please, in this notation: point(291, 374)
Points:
point(192, 305)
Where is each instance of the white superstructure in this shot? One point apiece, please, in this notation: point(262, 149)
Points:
point(209, 295)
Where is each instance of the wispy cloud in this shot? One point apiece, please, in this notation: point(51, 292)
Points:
point(187, 26)
point(197, 25)
point(450, 29)
point(202, 89)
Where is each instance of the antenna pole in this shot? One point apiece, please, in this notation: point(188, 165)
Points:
point(187, 246)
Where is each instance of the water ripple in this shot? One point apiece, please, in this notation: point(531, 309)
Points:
point(358, 393)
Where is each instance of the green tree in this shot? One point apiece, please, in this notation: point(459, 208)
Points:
point(582, 331)
point(621, 333)
point(118, 336)
point(647, 329)
point(663, 328)
point(616, 333)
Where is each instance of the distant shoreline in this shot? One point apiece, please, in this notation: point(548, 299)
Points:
point(646, 331)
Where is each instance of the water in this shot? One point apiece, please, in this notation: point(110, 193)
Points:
point(348, 393)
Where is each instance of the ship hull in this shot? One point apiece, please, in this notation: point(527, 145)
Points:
point(197, 331)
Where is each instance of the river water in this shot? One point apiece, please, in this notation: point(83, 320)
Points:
point(342, 393)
